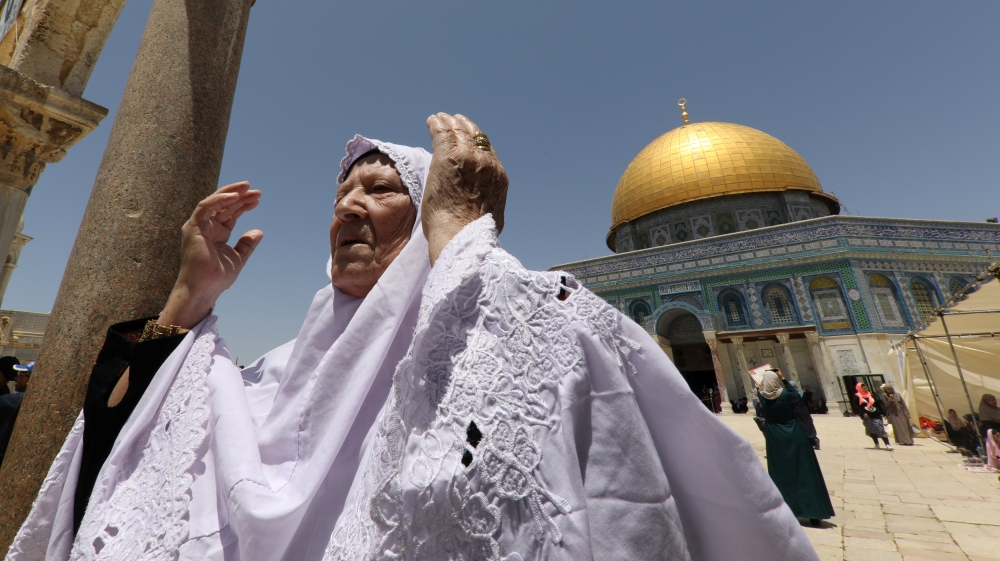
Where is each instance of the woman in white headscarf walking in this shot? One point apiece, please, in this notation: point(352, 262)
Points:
point(791, 459)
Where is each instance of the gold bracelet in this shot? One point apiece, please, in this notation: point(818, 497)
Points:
point(154, 330)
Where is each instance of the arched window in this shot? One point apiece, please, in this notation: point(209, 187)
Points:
point(886, 301)
point(956, 284)
point(925, 297)
point(779, 305)
point(639, 310)
point(732, 308)
point(829, 304)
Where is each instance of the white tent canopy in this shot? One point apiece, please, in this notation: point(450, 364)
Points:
point(974, 327)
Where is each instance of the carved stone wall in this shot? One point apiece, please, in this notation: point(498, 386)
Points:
point(45, 63)
point(57, 42)
point(38, 123)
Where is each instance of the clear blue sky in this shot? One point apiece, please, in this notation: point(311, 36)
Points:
point(894, 104)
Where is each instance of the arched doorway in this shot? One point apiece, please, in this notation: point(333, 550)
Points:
point(692, 356)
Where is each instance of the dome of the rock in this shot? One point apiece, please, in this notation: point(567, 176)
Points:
point(701, 161)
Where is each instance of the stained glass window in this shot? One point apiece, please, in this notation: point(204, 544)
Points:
point(956, 284)
point(925, 299)
point(778, 304)
point(639, 311)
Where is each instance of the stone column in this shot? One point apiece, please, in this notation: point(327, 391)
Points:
point(12, 256)
point(744, 369)
point(720, 378)
point(827, 374)
point(793, 372)
point(164, 154)
point(665, 345)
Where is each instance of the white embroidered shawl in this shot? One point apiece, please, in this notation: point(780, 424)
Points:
point(522, 425)
point(586, 444)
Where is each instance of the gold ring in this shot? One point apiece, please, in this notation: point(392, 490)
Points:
point(482, 141)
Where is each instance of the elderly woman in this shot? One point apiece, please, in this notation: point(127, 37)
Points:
point(791, 460)
point(513, 416)
point(285, 433)
point(899, 416)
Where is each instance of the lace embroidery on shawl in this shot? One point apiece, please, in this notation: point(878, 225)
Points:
point(146, 516)
point(491, 344)
point(32, 540)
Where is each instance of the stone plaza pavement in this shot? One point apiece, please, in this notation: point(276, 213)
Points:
point(914, 503)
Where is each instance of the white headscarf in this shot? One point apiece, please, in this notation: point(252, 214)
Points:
point(253, 465)
point(770, 385)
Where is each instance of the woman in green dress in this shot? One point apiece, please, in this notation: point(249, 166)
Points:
point(791, 460)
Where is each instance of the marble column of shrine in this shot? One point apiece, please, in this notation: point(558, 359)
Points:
point(164, 155)
point(664, 344)
point(792, 373)
point(824, 369)
point(741, 358)
point(720, 378)
point(13, 254)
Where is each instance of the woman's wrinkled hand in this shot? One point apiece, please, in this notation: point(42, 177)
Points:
point(464, 182)
point(208, 264)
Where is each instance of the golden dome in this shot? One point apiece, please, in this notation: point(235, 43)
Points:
point(705, 160)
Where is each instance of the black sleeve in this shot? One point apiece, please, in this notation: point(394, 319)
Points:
point(879, 406)
point(856, 406)
point(801, 412)
point(102, 423)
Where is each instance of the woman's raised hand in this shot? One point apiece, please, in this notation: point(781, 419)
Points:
point(208, 264)
point(465, 181)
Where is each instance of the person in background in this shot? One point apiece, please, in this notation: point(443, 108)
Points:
point(821, 406)
point(989, 413)
point(960, 434)
point(717, 400)
point(993, 448)
point(871, 411)
point(807, 397)
point(10, 404)
point(899, 415)
point(791, 460)
point(801, 410)
point(22, 375)
point(7, 370)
